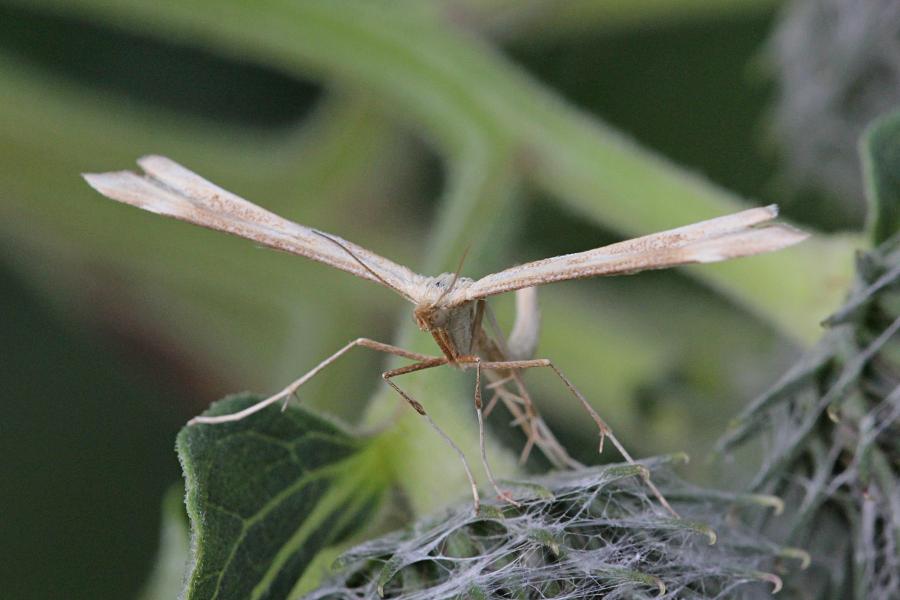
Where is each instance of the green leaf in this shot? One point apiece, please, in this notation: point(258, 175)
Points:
point(265, 494)
point(166, 580)
point(880, 150)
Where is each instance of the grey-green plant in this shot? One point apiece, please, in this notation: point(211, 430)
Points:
point(830, 428)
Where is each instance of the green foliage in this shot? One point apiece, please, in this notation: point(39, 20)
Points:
point(267, 493)
point(831, 426)
point(166, 580)
point(881, 167)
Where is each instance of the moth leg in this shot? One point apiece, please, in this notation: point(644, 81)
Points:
point(287, 392)
point(605, 431)
point(430, 363)
point(484, 461)
point(427, 363)
point(495, 397)
point(520, 346)
point(499, 390)
point(525, 415)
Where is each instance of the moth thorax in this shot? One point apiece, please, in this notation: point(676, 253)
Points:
point(451, 326)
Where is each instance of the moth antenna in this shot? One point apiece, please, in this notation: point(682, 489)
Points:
point(453, 281)
point(361, 263)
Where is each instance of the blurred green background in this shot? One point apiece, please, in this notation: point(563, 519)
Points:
point(117, 326)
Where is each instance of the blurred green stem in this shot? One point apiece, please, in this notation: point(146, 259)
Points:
point(550, 19)
point(451, 83)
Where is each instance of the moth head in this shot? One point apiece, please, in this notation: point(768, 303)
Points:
point(432, 310)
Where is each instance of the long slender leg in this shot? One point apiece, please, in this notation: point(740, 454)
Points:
point(495, 397)
point(518, 401)
point(419, 366)
point(526, 416)
point(605, 431)
point(528, 419)
point(481, 444)
point(294, 386)
point(541, 434)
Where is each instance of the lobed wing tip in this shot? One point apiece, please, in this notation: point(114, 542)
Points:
point(94, 180)
point(758, 240)
point(747, 217)
point(103, 181)
point(148, 161)
point(788, 234)
point(151, 157)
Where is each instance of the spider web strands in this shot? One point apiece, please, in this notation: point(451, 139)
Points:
point(583, 534)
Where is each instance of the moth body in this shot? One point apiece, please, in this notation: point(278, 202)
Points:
point(453, 327)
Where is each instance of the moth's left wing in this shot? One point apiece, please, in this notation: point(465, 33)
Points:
point(170, 189)
point(745, 233)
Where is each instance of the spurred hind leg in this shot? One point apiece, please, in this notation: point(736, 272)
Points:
point(287, 392)
point(484, 461)
point(605, 431)
point(417, 406)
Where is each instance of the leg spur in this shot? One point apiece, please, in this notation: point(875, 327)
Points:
point(605, 431)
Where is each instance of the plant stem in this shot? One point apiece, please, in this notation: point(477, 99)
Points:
point(451, 84)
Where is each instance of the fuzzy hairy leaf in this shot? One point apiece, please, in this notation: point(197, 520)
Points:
point(830, 427)
point(266, 493)
point(880, 149)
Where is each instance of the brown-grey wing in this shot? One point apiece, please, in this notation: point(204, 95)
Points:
point(170, 189)
point(744, 233)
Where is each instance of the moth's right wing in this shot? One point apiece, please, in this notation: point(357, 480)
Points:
point(169, 189)
point(744, 233)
